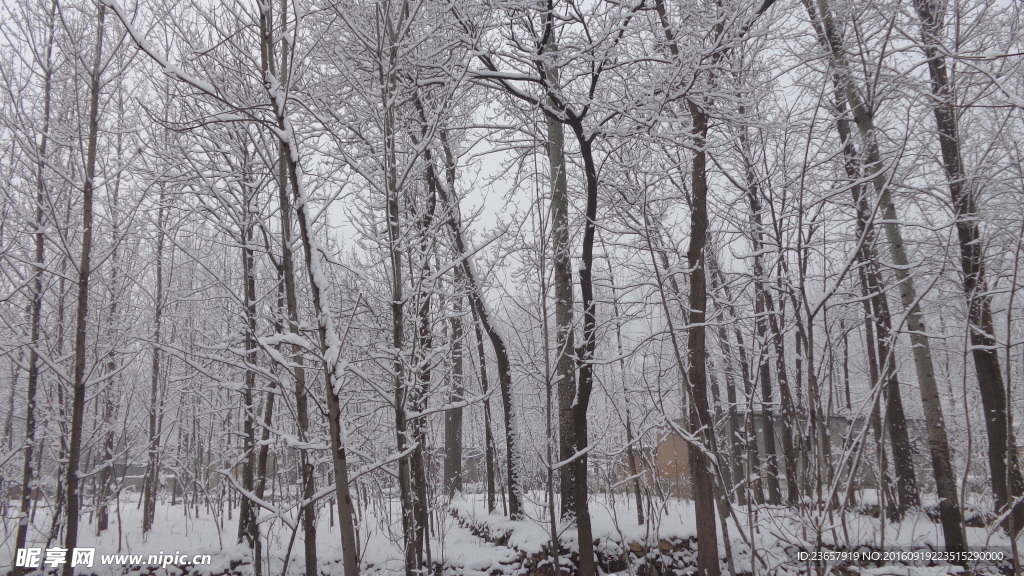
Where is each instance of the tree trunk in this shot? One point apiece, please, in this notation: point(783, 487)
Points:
point(485, 321)
point(701, 425)
point(742, 445)
point(81, 317)
point(767, 318)
point(28, 473)
point(631, 457)
point(422, 362)
point(247, 527)
point(585, 355)
point(308, 481)
point(453, 417)
point(489, 448)
point(565, 369)
point(1007, 481)
point(151, 482)
point(330, 346)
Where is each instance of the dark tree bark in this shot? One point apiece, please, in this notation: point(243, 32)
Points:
point(484, 321)
point(701, 425)
point(453, 417)
point(72, 481)
point(248, 530)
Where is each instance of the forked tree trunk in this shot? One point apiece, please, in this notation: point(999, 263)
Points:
point(72, 481)
point(573, 395)
point(486, 322)
point(585, 356)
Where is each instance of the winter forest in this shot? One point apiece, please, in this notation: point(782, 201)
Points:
point(512, 287)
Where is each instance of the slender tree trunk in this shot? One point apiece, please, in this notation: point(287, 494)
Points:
point(28, 473)
point(330, 346)
point(308, 482)
point(489, 448)
point(247, 527)
point(151, 482)
point(422, 360)
point(766, 312)
point(106, 474)
point(109, 407)
point(585, 355)
point(631, 457)
point(402, 435)
point(453, 417)
point(261, 471)
point(1007, 481)
point(736, 428)
point(81, 317)
point(62, 405)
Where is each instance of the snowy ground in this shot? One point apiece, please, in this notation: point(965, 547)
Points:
point(774, 532)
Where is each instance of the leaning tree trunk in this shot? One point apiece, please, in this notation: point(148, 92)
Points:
point(330, 345)
point(485, 321)
point(1007, 482)
point(308, 482)
point(72, 480)
point(877, 308)
point(949, 510)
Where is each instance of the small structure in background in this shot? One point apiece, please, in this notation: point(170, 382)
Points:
point(666, 467)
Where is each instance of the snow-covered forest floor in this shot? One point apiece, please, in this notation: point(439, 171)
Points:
point(469, 541)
